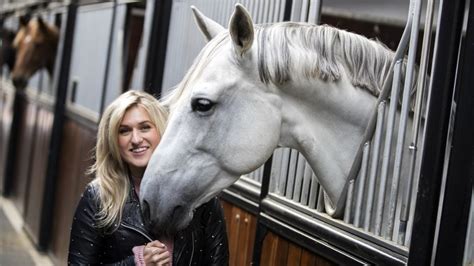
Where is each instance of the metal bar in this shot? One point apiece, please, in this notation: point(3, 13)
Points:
point(156, 47)
point(361, 184)
point(296, 10)
point(392, 201)
point(108, 58)
point(284, 170)
point(290, 182)
point(314, 15)
point(298, 177)
point(387, 146)
point(425, 51)
point(458, 191)
point(306, 183)
point(313, 192)
point(443, 76)
point(378, 140)
point(61, 82)
point(320, 203)
point(350, 192)
point(374, 159)
point(304, 10)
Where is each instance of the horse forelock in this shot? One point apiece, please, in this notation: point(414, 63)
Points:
point(289, 49)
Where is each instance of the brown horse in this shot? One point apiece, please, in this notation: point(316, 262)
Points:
point(36, 43)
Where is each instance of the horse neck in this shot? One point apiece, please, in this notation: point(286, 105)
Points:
point(325, 121)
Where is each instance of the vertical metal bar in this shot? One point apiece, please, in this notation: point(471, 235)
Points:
point(315, 11)
point(60, 83)
point(350, 192)
point(298, 177)
point(275, 173)
point(284, 171)
point(387, 146)
point(361, 184)
point(296, 10)
point(374, 158)
point(266, 11)
point(416, 12)
point(378, 140)
point(306, 183)
point(425, 51)
point(108, 58)
point(304, 11)
point(313, 192)
point(443, 78)
point(320, 203)
point(291, 175)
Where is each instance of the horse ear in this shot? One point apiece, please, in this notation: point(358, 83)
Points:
point(42, 24)
point(241, 29)
point(208, 27)
point(24, 19)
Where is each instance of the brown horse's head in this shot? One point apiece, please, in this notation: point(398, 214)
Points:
point(35, 43)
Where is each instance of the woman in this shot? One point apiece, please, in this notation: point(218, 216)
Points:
point(108, 226)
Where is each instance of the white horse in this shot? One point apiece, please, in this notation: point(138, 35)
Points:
point(251, 89)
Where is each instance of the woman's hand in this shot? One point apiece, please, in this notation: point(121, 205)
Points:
point(156, 253)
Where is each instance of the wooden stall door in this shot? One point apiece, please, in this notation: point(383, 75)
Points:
point(21, 174)
point(35, 189)
point(278, 251)
point(77, 144)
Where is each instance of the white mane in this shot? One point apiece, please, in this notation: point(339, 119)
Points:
point(289, 49)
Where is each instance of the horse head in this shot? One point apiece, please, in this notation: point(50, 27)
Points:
point(253, 88)
point(211, 138)
point(35, 43)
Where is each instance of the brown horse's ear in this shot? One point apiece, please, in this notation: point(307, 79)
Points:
point(24, 20)
point(42, 24)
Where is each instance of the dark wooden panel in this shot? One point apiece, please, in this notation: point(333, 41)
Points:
point(21, 173)
point(294, 255)
point(279, 251)
point(6, 116)
point(75, 157)
point(241, 226)
point(39, 163)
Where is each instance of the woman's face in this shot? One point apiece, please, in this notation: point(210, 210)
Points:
point(137, 139)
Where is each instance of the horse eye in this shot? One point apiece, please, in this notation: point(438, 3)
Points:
point(201, 105)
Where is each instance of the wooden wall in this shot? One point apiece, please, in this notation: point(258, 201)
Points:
point(78, 141)
point(39, 162)
point(276, 250)
point(35, 121)
point(26, 134)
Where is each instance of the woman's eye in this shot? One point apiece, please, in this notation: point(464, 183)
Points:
point(201, 105)
point(123, 131)
point(145, 128)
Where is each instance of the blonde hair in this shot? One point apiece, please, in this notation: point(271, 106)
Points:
point(111, 171)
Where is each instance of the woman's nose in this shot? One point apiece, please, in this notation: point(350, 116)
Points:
point(136, 137)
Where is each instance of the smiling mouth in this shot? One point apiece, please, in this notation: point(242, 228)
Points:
point(139, 149)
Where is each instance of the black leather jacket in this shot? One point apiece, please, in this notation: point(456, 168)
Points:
point(203, 242)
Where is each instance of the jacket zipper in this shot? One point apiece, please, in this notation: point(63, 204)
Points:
point(137, 230)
